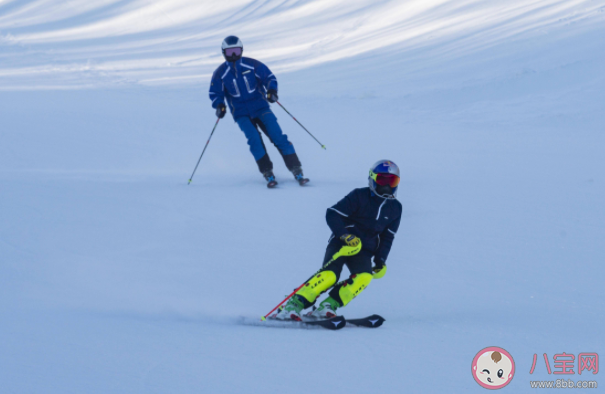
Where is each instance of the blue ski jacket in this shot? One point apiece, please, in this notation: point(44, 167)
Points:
point(375, 220)
point(243, 84)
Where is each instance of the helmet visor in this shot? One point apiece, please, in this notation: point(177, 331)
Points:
point(233, 51)
point(391, 180)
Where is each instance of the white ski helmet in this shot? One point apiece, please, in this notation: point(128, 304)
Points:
point(232, 48)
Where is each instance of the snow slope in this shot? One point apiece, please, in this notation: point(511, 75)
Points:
point(116, 276)
point(68, 44)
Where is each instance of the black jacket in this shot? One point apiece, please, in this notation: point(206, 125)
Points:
point(373, 219)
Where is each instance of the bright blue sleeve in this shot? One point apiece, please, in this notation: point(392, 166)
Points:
point(266, 77)
point(217, 94)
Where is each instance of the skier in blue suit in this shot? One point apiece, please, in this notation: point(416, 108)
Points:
point(248, 86)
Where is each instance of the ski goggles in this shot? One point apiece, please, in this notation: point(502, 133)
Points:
point(391, 180)
point(233, 51)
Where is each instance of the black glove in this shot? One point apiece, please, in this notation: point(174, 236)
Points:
point(350, 240)
point(221, 110)
point(378, 265)
point(380, 268)
point(272, 96)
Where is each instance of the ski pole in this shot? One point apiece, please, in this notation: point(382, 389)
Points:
point(344, 251)
point(322, 145)
point(207, 142)
point(336, 255)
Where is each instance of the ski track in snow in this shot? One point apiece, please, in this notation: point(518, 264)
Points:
point(118, 277)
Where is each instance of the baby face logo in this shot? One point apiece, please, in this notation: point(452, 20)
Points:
point(493, 368)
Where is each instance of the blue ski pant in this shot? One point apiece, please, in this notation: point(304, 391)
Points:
point(271, 128)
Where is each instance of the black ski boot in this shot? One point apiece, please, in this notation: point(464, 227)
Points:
point(298, 175)
point(270, 178)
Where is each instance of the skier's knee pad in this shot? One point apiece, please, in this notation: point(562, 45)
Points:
point(351, 288)
point(317, 285)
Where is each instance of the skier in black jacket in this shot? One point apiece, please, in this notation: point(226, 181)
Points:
point(368, 217)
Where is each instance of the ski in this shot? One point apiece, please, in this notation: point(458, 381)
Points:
point(335, 323)
point(372, 321)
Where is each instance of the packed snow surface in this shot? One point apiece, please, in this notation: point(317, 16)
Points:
point(118, 277)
